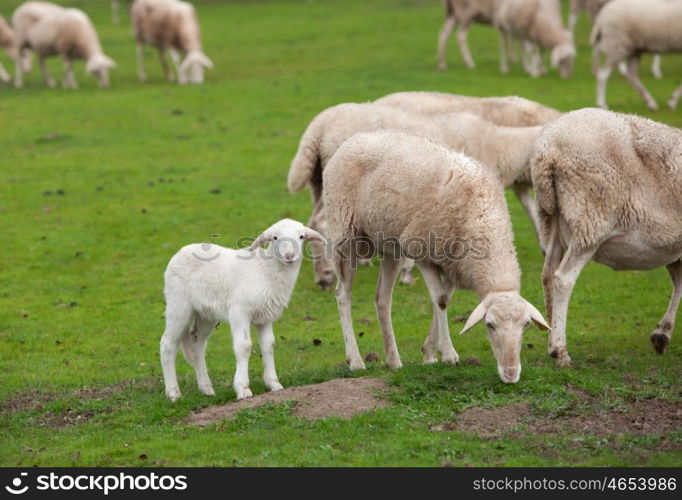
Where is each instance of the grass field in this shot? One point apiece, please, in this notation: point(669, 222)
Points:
point(98, 189)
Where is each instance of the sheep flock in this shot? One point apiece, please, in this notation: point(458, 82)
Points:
point(418, 179)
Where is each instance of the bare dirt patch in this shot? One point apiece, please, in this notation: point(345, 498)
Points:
point(638, 418)
point(341, 398)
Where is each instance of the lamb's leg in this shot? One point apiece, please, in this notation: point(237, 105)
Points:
point(69, 81)
point(656, 67)
point(440, 292)
point(266, 338)
point(553, 255)
point(660, 338)
point(564, 280)
point(462, 34)
point(241, 343)
point(4, 75)
point(178, 319)
point(445, 32)
point(344, 298)
point(523, 193)
point(504, 52)
point(633, 78)
point(139, 55)
point(165, 66)
point(194, 348)
point(382, 301)
point(49, 81)
point(323, 268)
point(19, 70)
point(603, 74)
point(407, 272)
point(672, 103)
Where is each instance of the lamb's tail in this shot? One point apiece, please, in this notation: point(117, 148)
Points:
point(305, 167)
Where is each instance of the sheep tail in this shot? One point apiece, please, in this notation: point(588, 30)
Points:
point(542, 172)
point(306, 163)
point(449, 11)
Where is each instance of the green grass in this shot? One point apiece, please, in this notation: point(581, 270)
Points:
point(81, 273)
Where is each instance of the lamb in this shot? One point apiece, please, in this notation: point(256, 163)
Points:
point(49, 29)
point(206, 284)
point(593, 7)
point(505, 149)
point(8, 44)
point(624, 30)
point(608, 188)
point(509, 111)
point(170, 25)
point(406, 195)
point(538, 24)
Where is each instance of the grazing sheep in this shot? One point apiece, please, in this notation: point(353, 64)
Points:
point(405, 195)
point(170, 25)
point(625, 29)
point(608, 188)
point(206, 284)
point(509, 111)
point(48, 29)
point(8, 44)
point(593, 7)
point(505, 149)
point(538, 24)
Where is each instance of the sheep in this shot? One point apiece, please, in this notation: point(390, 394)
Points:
point(406, 195)
point(206, 284)
point(608, 188)
point(538, 24)
point(510, 111)
point(49, 29)
point(170, 25)
point(624, 30)
point(672, 103)
point(506, 149)
point(8, 44)
point(593, 7)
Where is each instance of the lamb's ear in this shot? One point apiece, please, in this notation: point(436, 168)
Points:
point(477, 315)
point(312, 235)
point(262, 239)
point(537, 317)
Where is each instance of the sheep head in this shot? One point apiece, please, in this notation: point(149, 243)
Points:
point(99, 65)
point(563, 58)
point(286, 239)
point(192, 68)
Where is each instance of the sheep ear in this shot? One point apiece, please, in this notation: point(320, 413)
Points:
point(110, 62)
point(312, 235)
point(262, 239)
point(477, 315)
point(537, 317)
point(206, 62)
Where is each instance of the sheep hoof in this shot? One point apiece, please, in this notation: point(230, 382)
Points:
point(275, 386)
point(563, 360)
point(672, 104)
point(356, 365)
point(244, 393)
point(442, 66)
point(660, 342)
point(174, 395)
point(451, 361)
point(394, 365)
point(207, 391)
point(652, 106)
point(408, 280)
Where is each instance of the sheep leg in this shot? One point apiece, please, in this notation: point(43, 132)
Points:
point(523, 193)
point(672, 103)
point(194, 349)
point(407, 272)
point(4, 75)
point(440, 291)
point(531, 58)
point(266, 339)
point(382, 300)
point(241, 343)
point(344, 297)
point(660, 338)
point(430, 346)
point(69, 81)
point(462, 35)
point(603, 74)
point(178, 319)
point(445, 32)
point(139, 55)
point(656, 67)
point(19, 69)
point(633, 78)
point(504, 52)
point(115, 11)
point(553, 255)
point(49, 81)
point(323, 269)
point(572, 21)
point(175, 57)
point(564, 280)
point(165, 66)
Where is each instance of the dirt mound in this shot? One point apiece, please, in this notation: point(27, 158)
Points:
point(640, 418)
point(343, 397)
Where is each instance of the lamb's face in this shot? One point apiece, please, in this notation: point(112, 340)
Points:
point(192, 68)
point(287, 238)
point(506, 316)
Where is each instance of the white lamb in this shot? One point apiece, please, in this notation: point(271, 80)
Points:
point(408, 196)
point(48, 29)
point(624, 30)
point(173, 26)
point(608, 188)
point(538, 24)
point(206, 284)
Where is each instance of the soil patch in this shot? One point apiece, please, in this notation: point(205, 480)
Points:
point(341, 398)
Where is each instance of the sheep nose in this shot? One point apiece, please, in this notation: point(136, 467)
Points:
point(289, 256)
point(509, 375)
